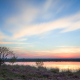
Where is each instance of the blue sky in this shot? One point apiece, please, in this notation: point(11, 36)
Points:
point(41, 28)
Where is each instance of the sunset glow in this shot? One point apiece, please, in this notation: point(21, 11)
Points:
point(41, 28)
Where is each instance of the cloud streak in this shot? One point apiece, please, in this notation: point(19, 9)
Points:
point(3, 42)
point(70, 23)
point(2, 35)
point(23, 23)
point(59, 53)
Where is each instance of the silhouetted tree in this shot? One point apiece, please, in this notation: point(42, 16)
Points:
point(4, 54)
point(39, 63)
point(13, 59)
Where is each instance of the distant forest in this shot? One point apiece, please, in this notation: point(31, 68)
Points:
point(44, 60)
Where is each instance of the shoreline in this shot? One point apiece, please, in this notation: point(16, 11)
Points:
point(46, 60)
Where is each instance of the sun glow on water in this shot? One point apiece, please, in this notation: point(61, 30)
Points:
point(62, 66)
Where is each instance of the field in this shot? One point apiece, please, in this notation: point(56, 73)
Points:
point(17, 72)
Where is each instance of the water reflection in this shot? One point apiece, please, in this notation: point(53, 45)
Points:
point(63, 66)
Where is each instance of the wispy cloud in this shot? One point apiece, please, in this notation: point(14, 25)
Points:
point(18, 49)
point(69, 52)
point(2, 35)
point(47, 4)
point(2, 42)
point(26, 14)
point(68, 24)
point(23, 22)
point(23, 39)
point(68, 46)
point(63, 50)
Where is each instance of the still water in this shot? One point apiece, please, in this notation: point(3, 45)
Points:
point(63, 66)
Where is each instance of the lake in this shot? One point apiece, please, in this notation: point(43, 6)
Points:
point(63, 66)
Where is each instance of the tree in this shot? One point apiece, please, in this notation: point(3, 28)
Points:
point(4, 54)
point(13, 60)
point(39, 63)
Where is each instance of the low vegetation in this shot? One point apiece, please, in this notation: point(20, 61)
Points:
point(17, 72)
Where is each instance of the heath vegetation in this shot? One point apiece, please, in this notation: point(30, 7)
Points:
point(17, 72)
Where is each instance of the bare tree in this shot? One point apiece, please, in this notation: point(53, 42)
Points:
point(4, 54)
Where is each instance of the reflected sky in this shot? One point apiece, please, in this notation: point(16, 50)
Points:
point(63, 66)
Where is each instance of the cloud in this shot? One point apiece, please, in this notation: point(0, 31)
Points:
point(3, 42)
point(47, 4)
point(2, 35)
point(26, 13)
point(68, 24)
point(24, 23)
point(50, 9)
point(31, 45)
point(22, 39)
point(18, 49)
point(61, 52)
point(68, 50)
point(67, 46)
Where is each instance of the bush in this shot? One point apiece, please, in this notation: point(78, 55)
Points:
point(39, 63)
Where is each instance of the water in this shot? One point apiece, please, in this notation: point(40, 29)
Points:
point(63, 66)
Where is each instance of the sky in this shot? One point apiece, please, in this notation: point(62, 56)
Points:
point(41, 28)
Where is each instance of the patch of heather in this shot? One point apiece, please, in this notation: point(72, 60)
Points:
point(16, 72)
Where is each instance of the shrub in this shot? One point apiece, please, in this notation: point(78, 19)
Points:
point(39, 63)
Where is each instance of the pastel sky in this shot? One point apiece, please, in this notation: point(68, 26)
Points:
point(41, 28)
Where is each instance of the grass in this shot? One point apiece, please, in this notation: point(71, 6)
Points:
point(17, 72)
